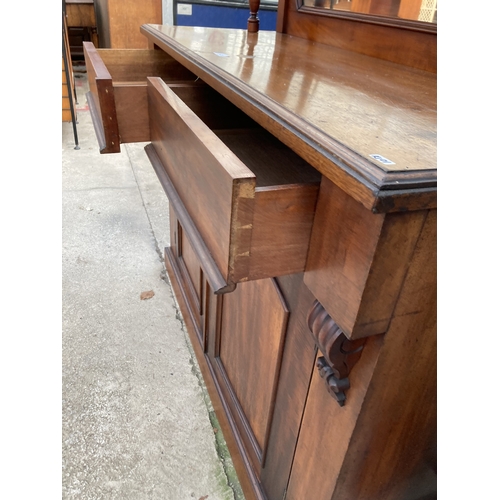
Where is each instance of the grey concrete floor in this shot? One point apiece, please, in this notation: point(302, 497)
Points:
point(137, 422)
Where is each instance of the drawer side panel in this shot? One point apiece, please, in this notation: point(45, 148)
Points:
point(132, 112)
point(207, 176)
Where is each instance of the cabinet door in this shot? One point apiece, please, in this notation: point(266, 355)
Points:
point(297, 366)
point(189, 274)
point(246, 360)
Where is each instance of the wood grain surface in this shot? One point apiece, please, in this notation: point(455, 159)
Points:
point(119, 21)
point(297, 367)
point(251, 233)
point(126, 72)
point(246, 476)
point(250, 353)
point(240, 152)
point(210, 194)
point(392, 454)
point(411, 44)
point(318, 100)
point(326, 431)
point(80, 14)
point(358, 260)
point(211, 272)
point(282, 223)
point(135, 65)
point(101, 100)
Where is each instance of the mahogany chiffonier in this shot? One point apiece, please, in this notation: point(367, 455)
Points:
point(300, 167)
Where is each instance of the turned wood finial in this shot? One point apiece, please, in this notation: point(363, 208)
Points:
point(253, 20)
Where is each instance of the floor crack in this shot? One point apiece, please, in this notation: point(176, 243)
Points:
point(157, 246)
point(219, 441)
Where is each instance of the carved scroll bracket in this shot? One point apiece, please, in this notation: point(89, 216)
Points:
point(340, 354)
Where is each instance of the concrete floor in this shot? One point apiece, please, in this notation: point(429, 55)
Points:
point(137, 422)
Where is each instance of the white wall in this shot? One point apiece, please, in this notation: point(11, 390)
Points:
point(168, 12)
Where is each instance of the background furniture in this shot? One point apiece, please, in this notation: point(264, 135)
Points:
point(82, 25)
point(68, 83)
point(300, 167)
point(119, 22)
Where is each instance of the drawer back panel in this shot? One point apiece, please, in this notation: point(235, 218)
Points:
point(135, 65)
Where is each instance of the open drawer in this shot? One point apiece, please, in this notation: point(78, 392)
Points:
point(250, 197)
point(118, 91)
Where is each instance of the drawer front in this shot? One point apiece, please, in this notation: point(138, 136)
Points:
point(118, 91)
point(254, 225)
point(101, 101)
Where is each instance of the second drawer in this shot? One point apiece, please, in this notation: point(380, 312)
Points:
point(250, 197)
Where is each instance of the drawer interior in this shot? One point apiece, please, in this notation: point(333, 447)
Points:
point(210, 107)
point(286, 191)
point(133, 66)
point(118, 91)
point(129, 69)
point(272, 162)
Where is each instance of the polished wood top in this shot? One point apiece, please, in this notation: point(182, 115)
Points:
point(343, 106)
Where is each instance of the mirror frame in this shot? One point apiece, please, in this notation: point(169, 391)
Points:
point(369, 18)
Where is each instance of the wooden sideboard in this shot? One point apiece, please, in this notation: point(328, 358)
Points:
point(301, 178)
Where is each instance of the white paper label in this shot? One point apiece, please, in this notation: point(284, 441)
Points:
point(184, 9)
point(382, 159)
